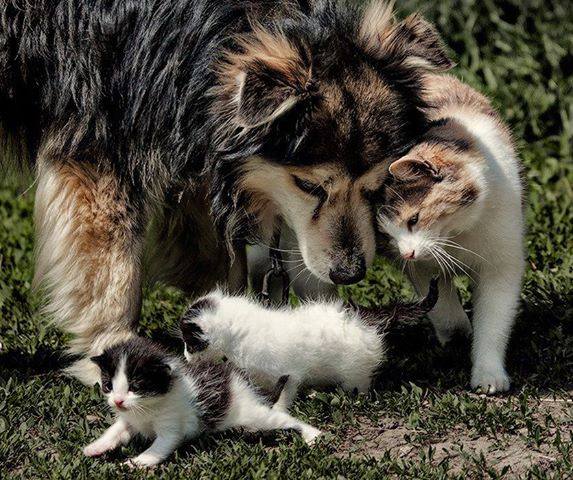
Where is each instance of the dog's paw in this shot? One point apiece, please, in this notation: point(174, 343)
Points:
point(490, 379)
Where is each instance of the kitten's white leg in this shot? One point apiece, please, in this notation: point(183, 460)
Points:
point(255, 417)
point(163, 446)
point(497, 298)
point(115, 435)
point(448, 315)
point(287, 396)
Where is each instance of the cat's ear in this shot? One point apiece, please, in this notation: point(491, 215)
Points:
point(412, 168)
point(413, 41)
point(268, 78)
point(193, 336)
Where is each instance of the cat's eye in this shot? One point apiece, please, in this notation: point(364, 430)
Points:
point(308, 187)
point(106, 386)
point(413, 220)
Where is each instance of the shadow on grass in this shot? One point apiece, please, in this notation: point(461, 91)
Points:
point(43, 360)
point(540, 353)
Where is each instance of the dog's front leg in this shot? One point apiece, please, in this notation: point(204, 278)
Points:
point(89, 247)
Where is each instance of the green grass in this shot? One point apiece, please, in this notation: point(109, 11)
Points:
point(421, 422)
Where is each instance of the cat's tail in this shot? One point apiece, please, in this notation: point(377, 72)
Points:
point(386, 316)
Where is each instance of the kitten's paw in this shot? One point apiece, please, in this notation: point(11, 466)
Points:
point(490, 379)
point(143, 461)
point(95, 449)
point(310, 435)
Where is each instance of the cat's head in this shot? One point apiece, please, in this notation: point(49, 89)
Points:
point(435, 193)
point(134, 374)
point(196, 326)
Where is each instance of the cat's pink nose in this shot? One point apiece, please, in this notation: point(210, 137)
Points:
point(118, 403)
point(411, 255)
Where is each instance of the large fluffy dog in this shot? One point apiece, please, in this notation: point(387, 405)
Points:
point(186, 128)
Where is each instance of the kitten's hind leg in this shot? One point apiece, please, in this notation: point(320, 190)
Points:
point(115, 435)
point(287, 396)
point(249, 412)
point(262, 418)
point(448, 315)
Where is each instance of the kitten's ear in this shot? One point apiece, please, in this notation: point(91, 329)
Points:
point(162, 368)
point(413, 41)
point(411, 168)
point(193, 336)
point(268, 78)
point(99, 360)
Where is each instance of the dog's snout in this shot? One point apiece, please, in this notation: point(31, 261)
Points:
point(348, 274)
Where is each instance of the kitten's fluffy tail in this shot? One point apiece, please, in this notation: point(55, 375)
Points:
point(386, 316)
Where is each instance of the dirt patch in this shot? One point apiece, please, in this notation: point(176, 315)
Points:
point(514, 452)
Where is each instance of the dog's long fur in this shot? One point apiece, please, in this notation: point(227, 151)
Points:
point(192, 126)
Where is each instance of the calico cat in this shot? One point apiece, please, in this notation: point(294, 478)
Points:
point(160, 396)
point(455, 205)
point(319, 344)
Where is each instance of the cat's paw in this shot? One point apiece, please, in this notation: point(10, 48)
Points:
point(95, 449)
point(143, 461)
point(310, 435)
point(490, 379)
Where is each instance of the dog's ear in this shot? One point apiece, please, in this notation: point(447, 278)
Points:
point(413, 41)
point(268, 78)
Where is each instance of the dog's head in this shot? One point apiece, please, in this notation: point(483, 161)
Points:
point(312, 110)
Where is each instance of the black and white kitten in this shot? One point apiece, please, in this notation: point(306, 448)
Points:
point(319, 344)
point(160, 396)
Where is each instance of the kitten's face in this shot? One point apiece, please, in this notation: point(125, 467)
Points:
point(198, 346)
point(434, 196)
point(133, 374)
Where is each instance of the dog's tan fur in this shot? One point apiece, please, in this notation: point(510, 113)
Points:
point(88, 257)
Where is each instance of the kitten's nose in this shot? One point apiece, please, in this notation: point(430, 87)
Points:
point(411, 255)
point(118, 403)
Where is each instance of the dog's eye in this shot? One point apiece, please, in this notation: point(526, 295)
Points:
point(413, 220)
point(309, 187)
point(106, 386)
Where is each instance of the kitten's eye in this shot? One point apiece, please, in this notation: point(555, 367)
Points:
point(309, 187)
point(106, 386)
point(413, 220)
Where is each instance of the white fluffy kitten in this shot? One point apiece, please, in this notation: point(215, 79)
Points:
point(319, 344)
point(162, 397)
point(455, 206)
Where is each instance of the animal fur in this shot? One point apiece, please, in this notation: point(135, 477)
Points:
point(167, 135)
point(455, 205)
point(319, 344)
point(158, 396)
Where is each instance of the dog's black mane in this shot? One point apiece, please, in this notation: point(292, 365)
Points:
point(126, 84)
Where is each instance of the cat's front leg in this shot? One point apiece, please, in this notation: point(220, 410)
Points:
point(115, 435)
point(448, 315)
point(163, 446)
point(497, 298)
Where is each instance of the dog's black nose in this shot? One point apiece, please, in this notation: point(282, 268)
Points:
point(345, 275)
